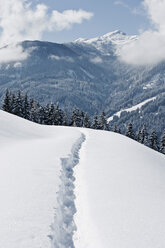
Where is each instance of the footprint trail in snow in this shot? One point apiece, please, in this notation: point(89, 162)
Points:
point(64, 227)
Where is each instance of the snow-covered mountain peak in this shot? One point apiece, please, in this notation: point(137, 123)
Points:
point(104, 43)
point(114, 33)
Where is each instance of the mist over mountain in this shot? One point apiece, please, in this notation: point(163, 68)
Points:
point(89, 74)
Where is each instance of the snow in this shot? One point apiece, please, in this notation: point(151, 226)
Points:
point(120, 192)
point(64, 187)
point(29, 179)
point(117, 38)
point(133, 108)
point(66, 207)
point(87, 73)
point(17, 65)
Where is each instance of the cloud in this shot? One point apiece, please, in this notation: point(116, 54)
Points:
point(66, 58)
point(123, 4)
point(96, 60)
point(66, 19)
point(136, 10)
point(20, 20)
point(12, 53)
point(149, 49)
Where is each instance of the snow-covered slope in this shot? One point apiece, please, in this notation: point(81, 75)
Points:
point(119, 188)
point(133, 108)
point(29, 180)
point(120, 194)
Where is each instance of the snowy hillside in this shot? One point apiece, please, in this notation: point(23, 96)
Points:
point(29, 180)
point(78, 188)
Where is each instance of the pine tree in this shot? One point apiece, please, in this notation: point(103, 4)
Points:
point(162, 146)
point(95, 123)
point(33, 110)
point(86, 121)
point(144, 136)
point(47, 115)
point(115, 129)
point(76, 118)
point(41, 115)
point(26, 107)
point(58, 115)
point(153, 141)
point(18, 105)
point(130, 132)
point(139, 135)
point(103, 121)
point(37, 112)
point(7, 102)
point(12, 102)
point(65, 119)
point(82, 116)
point(51, 114)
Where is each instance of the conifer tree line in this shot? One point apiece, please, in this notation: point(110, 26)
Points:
point(145, 138)
point(30, 109)
point(20, 105)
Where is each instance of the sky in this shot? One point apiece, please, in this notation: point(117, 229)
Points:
point(66, 20)
point(108, 15)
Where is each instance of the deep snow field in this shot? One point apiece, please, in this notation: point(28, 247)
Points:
point(63, 187)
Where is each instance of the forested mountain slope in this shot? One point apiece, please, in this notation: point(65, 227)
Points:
point(90, 75)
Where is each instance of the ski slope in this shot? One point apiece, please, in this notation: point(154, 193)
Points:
point(64, 187)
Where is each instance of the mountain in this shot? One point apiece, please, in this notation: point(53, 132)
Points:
point(89, 74)
point(110, 43)
point(78, 188)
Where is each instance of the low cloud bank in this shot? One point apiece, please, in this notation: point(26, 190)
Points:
point(150, 47)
